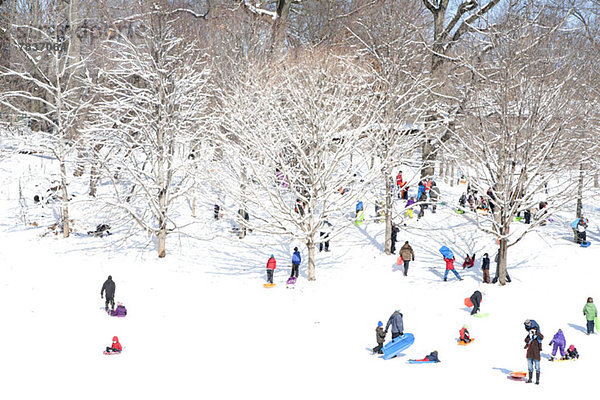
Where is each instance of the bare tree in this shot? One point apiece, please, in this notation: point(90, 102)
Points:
point(297, 154)
point(54, 95)
point(150, 121)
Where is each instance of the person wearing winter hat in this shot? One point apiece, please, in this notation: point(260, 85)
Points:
point(296, 260)
point(397, 324)
point(271, 265)
point(110, 287)
point(559, 343)
point(533, 344)
point(464, 334)
point(380, 337)
point(590, 312)
point(115, 347)
point(120, 311)
point(572, 353)
point(431, 357)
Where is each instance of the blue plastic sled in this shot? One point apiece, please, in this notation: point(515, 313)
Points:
point(446, 252)
point(394, 347)
point(585, 244)
point(421, 362)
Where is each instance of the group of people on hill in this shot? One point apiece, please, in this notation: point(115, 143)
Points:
point(108, 292)
point(533, 340)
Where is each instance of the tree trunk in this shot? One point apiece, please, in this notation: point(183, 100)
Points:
point(311, 258)
point(502, 252)
point(279, 26)
point(428, 160)
point(452, 174)
point(388, 214)
point(580, 192)
point(596, 185)
point(162, 239)
point(441, 169)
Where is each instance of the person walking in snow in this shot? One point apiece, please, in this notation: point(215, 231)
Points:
point(558, 342)
point(533, 344)
point(422, 205)
point(450, 267)
point(476, 298)
point(434, 196)
point(394, 238)
point(380, 337)
point(109, 287)
point(590, 312)
point(397, 324)
point(485, 267)
point(399, 183)
point(408, 255)
point(271, 265)
point(326, 229)
point(296, 260)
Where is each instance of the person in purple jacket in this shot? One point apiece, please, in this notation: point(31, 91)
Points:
point(120, 311)
point(559, 342)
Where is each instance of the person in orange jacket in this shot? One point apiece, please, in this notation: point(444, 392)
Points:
point(271, 265)
point(116, 346)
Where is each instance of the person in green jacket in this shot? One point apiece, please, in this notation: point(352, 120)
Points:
point(590, 312)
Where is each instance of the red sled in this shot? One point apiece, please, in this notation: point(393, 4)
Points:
point(108, 353)
point(469, 303)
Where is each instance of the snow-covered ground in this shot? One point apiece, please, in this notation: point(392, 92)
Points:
point(200, 324)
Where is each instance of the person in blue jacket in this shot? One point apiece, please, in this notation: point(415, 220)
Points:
point(359, 207)
point(296, 260)
point(531, 324)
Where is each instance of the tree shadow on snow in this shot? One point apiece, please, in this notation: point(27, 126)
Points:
point(503, 370)
point(578, 328)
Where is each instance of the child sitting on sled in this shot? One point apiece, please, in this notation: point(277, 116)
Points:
point(464, 335)
point(572, 353)
point(433, 356)
point(115, 347)
point(120, 311)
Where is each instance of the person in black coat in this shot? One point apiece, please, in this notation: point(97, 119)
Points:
point(485, 267)
point(109, 288)
point(476, 298)
point(395, 231)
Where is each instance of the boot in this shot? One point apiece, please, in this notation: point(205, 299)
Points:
point(530, 375)
point(537, 377)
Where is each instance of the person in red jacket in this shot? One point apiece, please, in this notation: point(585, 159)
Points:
point(116, 346)
point(464, 335)
point(399, 182)
point(271, 265)
point(450, 267)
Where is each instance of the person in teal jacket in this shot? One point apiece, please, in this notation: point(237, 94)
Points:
point(590, 312)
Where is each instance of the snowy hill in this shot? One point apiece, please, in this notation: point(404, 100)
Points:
point(200, 324)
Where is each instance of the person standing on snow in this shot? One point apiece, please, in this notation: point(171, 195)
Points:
point(395, 231)
point(450, 267)
point(296, 260)
point(399, 183)
point(407, 254)
point(434, 195)
point(590, 312)
point(533, 344)
point(581, 227)
point(109, 287)
point(271, 265)
point(380, 336)
point(485, 267)
point(397, 324)
point(324, 235)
